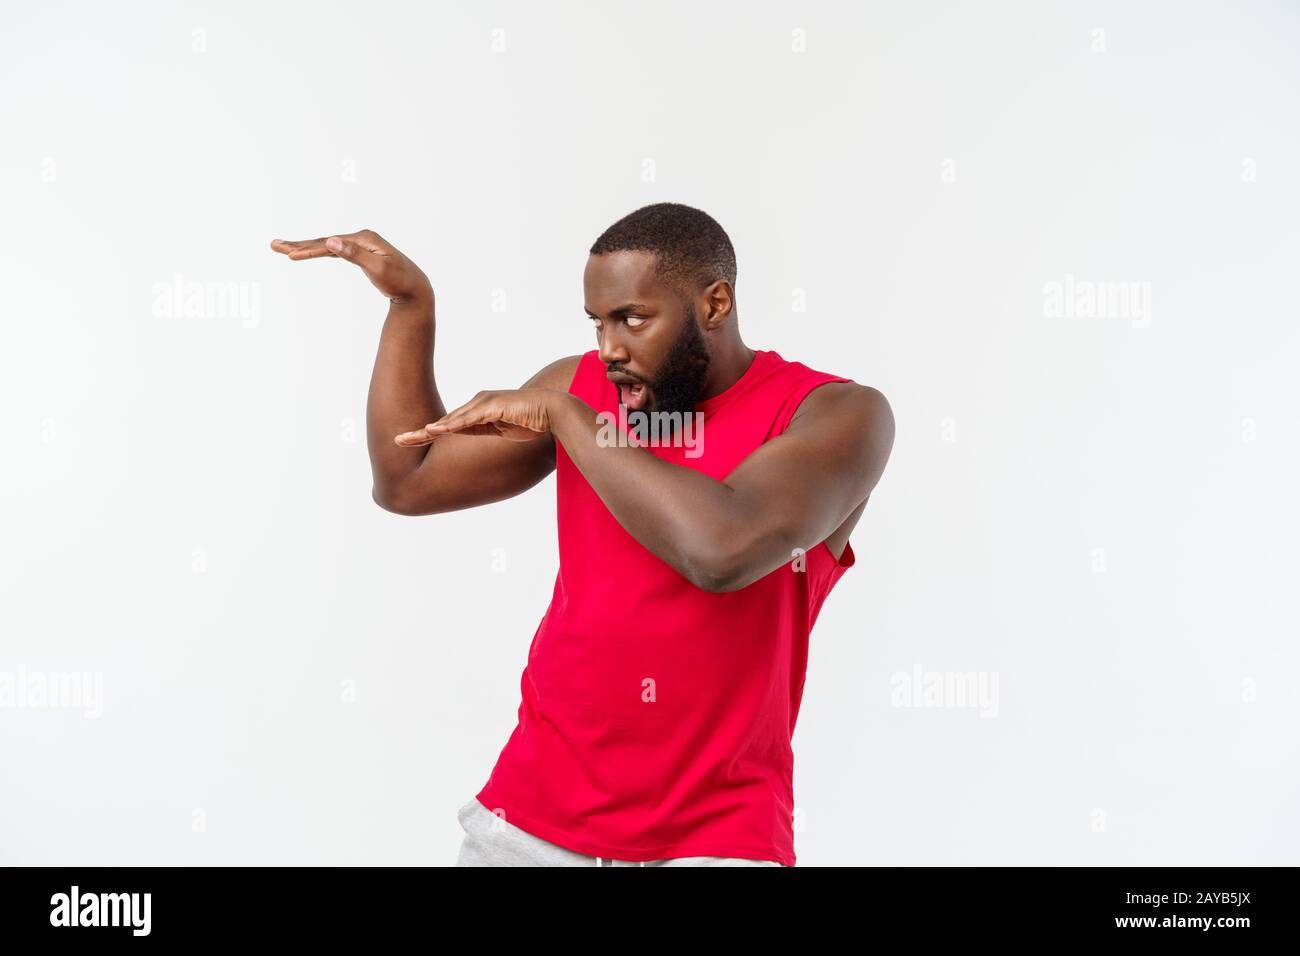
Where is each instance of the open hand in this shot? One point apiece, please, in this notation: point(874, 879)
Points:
point(396, 276)
point(521, 414)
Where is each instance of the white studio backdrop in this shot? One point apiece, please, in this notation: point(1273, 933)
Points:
point(1061, 238)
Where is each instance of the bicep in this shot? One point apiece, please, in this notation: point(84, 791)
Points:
point(464, 471)
point(792, 492)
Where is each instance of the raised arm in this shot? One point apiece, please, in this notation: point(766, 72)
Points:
point(445, 476)
point(791, 492)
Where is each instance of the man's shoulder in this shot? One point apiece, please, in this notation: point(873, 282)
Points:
point(847, 401)
point(560, 373)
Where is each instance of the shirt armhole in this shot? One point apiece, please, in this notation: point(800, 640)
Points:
point(796, 398)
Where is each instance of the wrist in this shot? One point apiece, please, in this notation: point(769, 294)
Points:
point(417, 305)
point(418, 299)
point(562, 407)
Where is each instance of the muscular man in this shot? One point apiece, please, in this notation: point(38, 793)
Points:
point(663, 683)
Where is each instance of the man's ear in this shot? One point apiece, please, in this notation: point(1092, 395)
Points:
point(722, 302)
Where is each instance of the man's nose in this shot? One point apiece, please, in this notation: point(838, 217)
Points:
point(611, 350)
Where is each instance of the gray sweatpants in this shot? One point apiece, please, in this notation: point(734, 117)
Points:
point(492, 841)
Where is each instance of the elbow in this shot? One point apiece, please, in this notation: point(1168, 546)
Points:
point(741, 561)
point(395, 503)
point(385, 500)
point(724, 581)
point(713, 584)
point(718, 585)
point(715, 573)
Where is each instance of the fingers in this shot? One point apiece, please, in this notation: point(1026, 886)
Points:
point(302, 249)
point(421, 436)
point(429, 433)
point(467, 419)
point(337, 247)
point(350, 245)
point(462, 419)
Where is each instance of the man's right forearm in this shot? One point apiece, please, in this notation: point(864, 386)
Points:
point(402, 397)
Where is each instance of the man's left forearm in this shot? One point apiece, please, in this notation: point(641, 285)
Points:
point(682, 516)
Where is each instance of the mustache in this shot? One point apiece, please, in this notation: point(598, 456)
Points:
point(623, 371)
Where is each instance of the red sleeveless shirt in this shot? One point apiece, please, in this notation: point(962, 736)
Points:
point(656, 718)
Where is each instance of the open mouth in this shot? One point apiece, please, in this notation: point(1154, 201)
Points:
point(634, 395)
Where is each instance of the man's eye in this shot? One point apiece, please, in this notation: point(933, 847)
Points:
point(635, 321)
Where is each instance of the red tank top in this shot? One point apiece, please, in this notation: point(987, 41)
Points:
point(657, 718)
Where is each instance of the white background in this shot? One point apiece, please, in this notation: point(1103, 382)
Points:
point(1098, 512)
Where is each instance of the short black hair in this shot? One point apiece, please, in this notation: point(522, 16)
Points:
point(691, 250)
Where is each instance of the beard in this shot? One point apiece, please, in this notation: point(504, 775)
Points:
point(680, 381)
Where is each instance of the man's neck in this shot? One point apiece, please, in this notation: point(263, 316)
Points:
point(726, 368)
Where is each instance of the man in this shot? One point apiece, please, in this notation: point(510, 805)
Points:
point(663, 684)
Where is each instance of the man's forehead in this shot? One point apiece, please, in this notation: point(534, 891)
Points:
point(621, 275)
